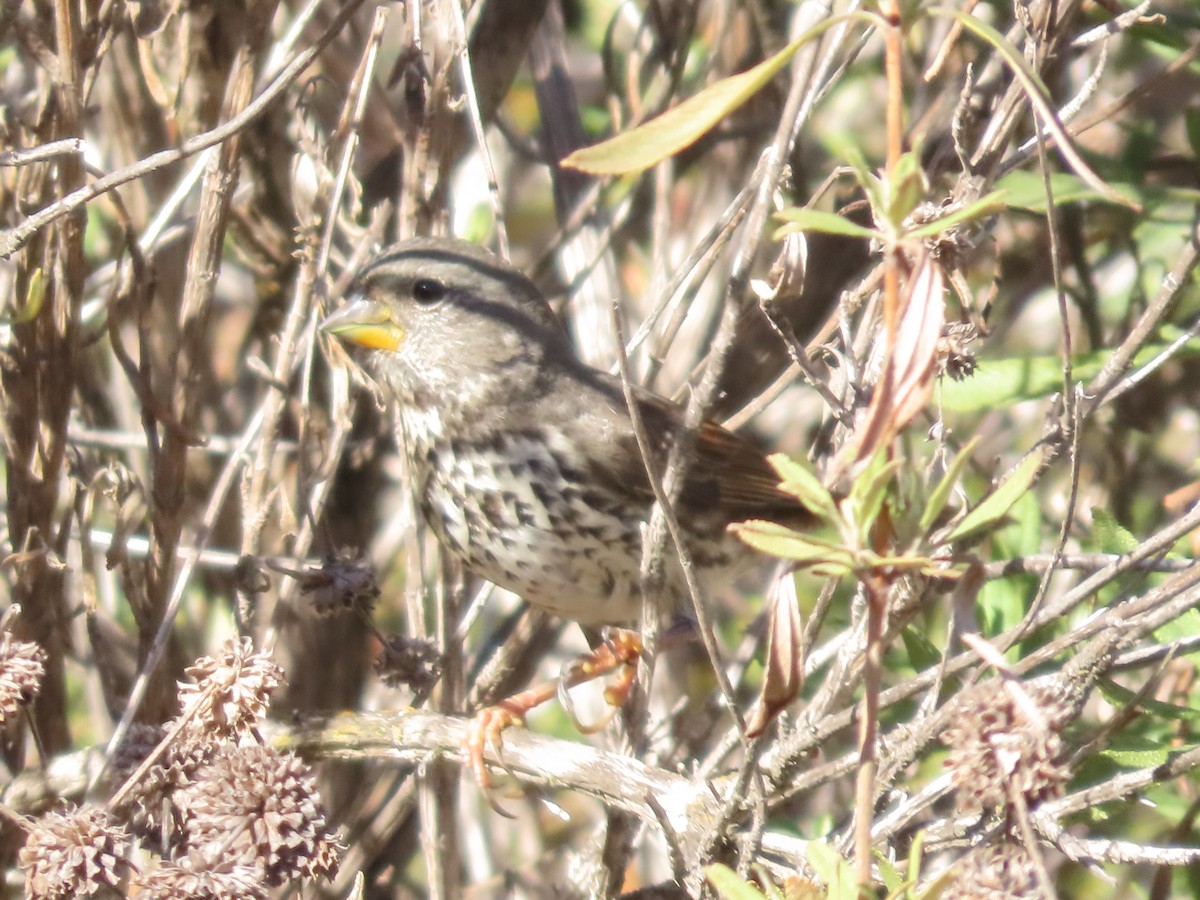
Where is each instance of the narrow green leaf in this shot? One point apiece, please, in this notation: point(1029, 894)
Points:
point(779, 540)
point(831, 570)
point(802, 483)
point(729, 884)
point(836, 874)
point(1119, 695)
point(799, 219)
point(868, 493)
point(1137, 759)
point(941, 494)
point(922, 564)
point(996, 505)
point(683, 125)
point(1004, 380)
point(1026, 191)
point(907, 186)
point(914, 855)
point(892, 879)
point(1181, 628)
point(984, 206)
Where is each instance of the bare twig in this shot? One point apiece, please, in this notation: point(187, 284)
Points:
point(12, 239)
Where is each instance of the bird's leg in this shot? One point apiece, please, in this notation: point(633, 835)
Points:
point(619, 651)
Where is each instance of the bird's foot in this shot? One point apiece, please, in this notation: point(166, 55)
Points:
point(619, 652)
point(485, 730)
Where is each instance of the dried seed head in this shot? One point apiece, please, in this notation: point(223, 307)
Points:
point(345, 582)
point(259, 808)
point(953, 247)
point(194, 877)
point(995, 872)
point(22, 667)
point(955, 356)
point(150, 806)
point(409, 661)
point(231, 693)
point(79, 852)
point(1006, 737)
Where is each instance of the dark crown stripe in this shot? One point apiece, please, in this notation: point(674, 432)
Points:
point(404, 256)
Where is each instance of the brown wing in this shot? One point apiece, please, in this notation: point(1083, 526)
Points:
point(745, 480)
point(727, 471)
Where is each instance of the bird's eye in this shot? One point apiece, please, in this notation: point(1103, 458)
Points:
point(428, 291)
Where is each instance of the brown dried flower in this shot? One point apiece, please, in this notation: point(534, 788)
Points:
point(346, 581)
point(196, 878)
point(257, 807)
point(995, 872)
point(150, 806)
point(22, 667)
point(232, 692)
point(409, 661)
point(75, 853)
point(1005, 736)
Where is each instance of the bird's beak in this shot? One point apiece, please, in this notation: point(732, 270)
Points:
point(365, 323)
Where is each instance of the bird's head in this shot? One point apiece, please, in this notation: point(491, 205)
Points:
point(442, 321)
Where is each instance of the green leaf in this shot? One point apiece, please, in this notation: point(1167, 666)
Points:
point(802, 483)
point(779, 540)
point(996, 505)
point(907, 186)
point(1000, 382)
point(892, 879)
point(868, 493)
point(914, 855)
point(835, 873)
point(1120, 695)
point(984, 206)
point(729, 884)
point(1002, 602)
point(941, 494)
point(1111, 536)
point(680, 127)
point(1026, 191)
point(1181, 628)
point(1004, 380)
point(921, 652)
point(1137, 758)
point(800, 219)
